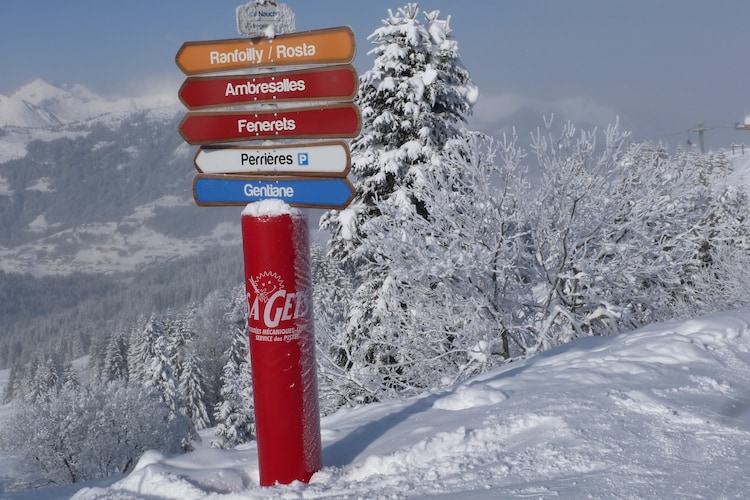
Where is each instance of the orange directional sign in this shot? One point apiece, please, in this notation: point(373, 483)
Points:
point(333, 121)
point(327, 46)
point(330, 83)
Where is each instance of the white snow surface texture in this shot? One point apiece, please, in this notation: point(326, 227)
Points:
point(661, 412)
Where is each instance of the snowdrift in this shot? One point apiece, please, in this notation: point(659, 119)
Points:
point(661, 412)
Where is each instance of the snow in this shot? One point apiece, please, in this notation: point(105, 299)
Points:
point(346, 218)
point(39, 224)
point(109, 249)
point(40, 104)
point(4, 188)
point(43, 185)
point(269, 208)
point(270, 31)
point(13, 143)
point(661, 412)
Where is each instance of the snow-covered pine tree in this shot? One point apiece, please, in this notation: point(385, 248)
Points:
point(416, 96)
point(9, 392)
point(414, 100)
point(141, 347)
point(116, 357)
point(187, 367)
point(97, 355)
point(45, 383)
point(152, 361)
point(69, 376)
point(234, 413)
point(191, 389)
point(160, 375)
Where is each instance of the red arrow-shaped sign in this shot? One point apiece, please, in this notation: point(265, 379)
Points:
point(335, 121)
point(328, 83)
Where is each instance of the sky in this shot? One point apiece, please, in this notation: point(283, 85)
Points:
point(662, 67)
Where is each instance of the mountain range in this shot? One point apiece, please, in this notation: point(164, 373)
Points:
point(40, 104)
point(90, 184)
point(98, 225)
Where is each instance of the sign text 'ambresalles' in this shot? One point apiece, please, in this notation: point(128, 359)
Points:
point(332, 83)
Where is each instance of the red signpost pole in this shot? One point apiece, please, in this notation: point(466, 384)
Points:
point(282, 343)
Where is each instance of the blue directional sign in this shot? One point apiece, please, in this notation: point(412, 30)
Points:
point(309, 192)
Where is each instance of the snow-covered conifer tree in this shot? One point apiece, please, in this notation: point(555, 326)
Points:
point(416, 96)
point(234, 412)
point(191, 390)
point(69, 376)
point(414, 100)
point(160, 375)
point(141, 348)
point(9, 392)
point(116, 357)
point(45, 382)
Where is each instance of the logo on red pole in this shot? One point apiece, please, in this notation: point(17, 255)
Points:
point(271, 304)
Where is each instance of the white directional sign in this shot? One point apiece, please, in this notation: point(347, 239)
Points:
point(324, 159)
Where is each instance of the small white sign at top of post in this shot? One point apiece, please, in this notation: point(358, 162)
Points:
point(264, 18)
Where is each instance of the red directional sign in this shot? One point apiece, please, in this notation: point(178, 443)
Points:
point(339, 121)
point(330, 83)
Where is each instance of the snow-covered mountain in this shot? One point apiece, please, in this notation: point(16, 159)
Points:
point(40, 104)
point(97, 218)
point(95, 184)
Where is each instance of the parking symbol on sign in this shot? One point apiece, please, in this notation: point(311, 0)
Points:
point(303, 158)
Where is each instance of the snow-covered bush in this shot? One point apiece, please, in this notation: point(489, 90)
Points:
point(89, 432)
point(623, 234)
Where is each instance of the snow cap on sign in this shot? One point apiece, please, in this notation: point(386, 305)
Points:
point(269, 208)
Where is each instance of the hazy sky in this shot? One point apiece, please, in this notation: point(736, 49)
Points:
point(662, 66)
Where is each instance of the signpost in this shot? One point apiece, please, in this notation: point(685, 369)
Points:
point(327, 46)
point(305, 192)
point(319, 159)
point(334, 83)
point(269, 180)
point(333, 121)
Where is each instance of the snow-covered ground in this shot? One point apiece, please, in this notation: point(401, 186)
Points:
point(661, 412)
